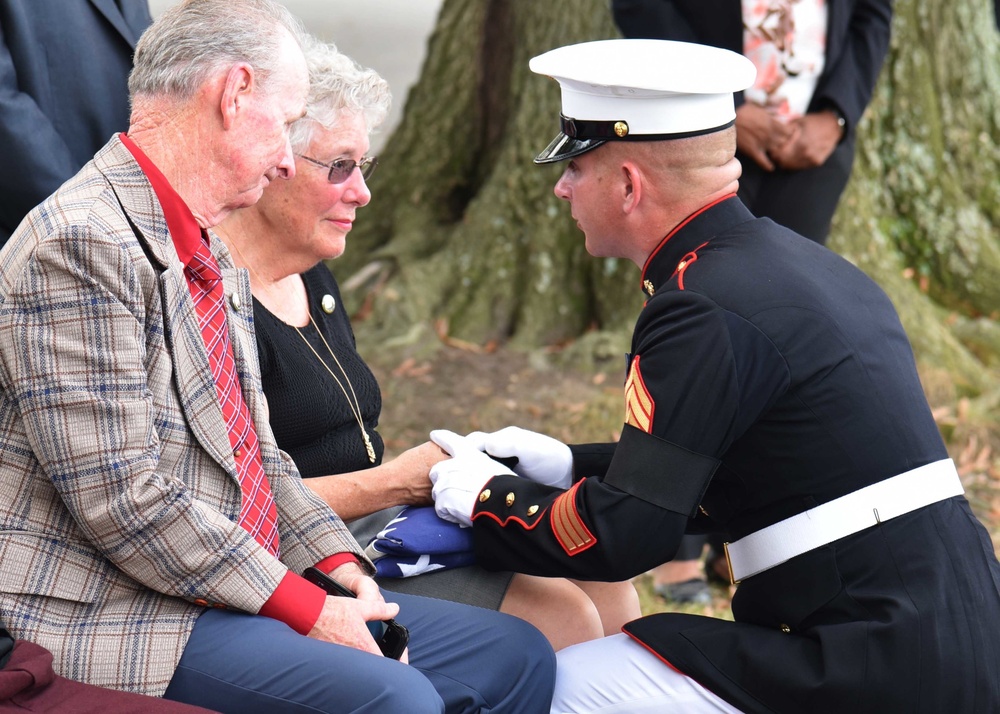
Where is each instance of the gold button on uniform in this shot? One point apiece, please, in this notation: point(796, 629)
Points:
point(484, 496)
point(510, 499)
point(328, 303)
point(785, 628)
point(532, 510)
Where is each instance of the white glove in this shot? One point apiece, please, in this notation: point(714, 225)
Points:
point(539, 458)
point(459, 480)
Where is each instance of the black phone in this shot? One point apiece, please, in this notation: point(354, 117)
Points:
point(390, 636)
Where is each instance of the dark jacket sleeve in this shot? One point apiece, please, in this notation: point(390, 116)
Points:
point(37, 159)
point(851, 72)
point(653, 20)
point(63, 91)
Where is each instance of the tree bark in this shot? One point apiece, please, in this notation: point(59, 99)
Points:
point(462, 224)
point(921, 211)
point(465, 231)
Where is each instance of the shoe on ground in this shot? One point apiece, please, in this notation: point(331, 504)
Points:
point(693, 592)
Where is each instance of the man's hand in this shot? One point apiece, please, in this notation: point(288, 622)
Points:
point(539, 458)
point(352, 577)
point(459, 480)
point(342, 619)
point(759, 132)
point(817, 136)
point(342, 622)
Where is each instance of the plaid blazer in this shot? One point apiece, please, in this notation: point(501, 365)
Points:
point(120, 497)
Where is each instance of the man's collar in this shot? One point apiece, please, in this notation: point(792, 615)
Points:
point(184, 229)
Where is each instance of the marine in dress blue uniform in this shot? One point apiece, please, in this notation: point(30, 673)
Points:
point(767, 378)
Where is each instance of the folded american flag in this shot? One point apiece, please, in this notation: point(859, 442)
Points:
point(418, 541)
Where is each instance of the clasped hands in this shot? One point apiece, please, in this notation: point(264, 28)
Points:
point(459, 480)
point(803, 143)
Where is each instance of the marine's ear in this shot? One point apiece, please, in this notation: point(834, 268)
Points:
point(632, 178)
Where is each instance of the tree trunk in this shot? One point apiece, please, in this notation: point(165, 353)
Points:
point(465, 232)
point(921, 211)
point(463, 223)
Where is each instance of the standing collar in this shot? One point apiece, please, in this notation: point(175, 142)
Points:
point(695, 230)
point(184, 230)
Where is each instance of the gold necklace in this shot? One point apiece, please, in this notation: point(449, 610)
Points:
point(354, 404)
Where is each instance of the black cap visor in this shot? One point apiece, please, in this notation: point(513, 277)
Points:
point(564, 147)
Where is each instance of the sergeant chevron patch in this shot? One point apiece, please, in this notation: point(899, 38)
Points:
point(639, 406)
point(567, 525)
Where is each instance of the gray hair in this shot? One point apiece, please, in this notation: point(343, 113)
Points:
point(338, 85)
point(195, 38)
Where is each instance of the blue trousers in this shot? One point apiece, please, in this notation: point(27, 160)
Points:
point(462, 659)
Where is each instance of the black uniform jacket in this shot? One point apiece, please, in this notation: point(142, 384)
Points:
point(767, 376)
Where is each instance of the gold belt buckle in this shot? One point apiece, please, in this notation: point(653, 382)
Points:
point(729, 564)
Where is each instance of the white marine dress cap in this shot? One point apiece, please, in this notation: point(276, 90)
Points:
point(640, 90)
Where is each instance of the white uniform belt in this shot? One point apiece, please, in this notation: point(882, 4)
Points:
point(841, 517)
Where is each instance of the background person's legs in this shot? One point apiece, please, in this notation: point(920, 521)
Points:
point(617, 603)
point(805, 200)
point(617, 675)
point(562, 611)
point(682, 580)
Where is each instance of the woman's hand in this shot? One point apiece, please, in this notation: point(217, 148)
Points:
point(818, 135)
point(759, 132)
point(411, 470)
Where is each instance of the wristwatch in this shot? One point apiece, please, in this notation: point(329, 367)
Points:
point(841, 119)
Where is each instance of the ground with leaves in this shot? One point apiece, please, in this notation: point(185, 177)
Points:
point(429, 383)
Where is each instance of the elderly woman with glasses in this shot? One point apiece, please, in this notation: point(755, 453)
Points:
point(324, 401)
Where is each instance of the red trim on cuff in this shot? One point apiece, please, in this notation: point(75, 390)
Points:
point(296, 602)
point(331, 563)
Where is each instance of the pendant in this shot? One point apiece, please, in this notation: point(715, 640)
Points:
point(368, 446)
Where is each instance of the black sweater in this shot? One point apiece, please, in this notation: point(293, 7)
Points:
point(310, 415)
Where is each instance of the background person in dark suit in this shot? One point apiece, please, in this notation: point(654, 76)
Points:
point(64, 66)
point(794, 167)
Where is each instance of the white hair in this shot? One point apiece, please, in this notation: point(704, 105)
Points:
point(338, 85)
point(195, 38)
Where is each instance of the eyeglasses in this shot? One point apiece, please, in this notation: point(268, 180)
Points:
point(340, 170)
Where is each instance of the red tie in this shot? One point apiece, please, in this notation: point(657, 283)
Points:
point(257, 514)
